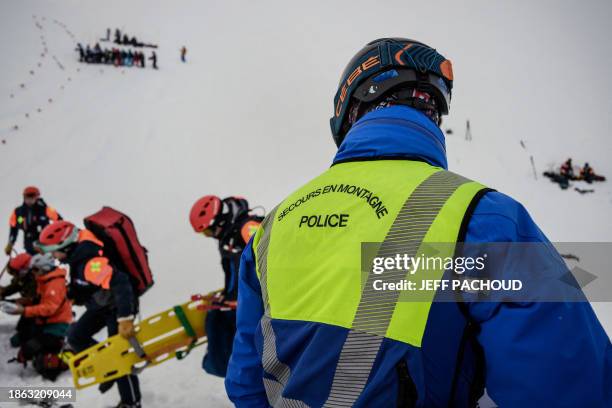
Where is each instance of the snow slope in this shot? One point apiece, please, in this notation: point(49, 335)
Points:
point(248, 115)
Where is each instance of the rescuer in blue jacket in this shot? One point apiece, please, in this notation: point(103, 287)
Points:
point(526, 354)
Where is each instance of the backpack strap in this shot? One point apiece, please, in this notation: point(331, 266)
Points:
point(471, 328)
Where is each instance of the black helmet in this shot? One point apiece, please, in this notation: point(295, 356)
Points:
point(387, 64)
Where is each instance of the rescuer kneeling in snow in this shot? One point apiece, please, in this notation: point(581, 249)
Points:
point(23, 283)
point(50, 314)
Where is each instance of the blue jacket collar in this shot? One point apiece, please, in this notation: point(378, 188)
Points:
point(394, 132)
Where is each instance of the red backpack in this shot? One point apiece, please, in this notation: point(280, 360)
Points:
point(121, 245)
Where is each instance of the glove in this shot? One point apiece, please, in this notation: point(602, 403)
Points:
point(11, 308)
point(8, 248)
point(24, 301)
point(126, 328)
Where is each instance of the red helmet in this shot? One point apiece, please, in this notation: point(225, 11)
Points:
point(21, 261)
point(57, 236)
point(204, 212)
point(31, 191)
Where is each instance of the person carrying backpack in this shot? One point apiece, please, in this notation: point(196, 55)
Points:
point(230, 222)
point(105, 290)
point(51, 315)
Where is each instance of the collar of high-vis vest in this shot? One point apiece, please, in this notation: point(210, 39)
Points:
point(395, 132)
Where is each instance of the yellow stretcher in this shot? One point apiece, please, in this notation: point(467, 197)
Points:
point(169, 334)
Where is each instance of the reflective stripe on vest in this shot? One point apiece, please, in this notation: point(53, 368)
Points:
point(310, 267)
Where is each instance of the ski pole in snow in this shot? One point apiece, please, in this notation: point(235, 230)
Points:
point(535, 174)
point(5, 268)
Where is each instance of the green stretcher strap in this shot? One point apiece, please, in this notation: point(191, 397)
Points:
point(180, 314)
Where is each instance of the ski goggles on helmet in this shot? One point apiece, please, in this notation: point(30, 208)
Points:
point(62, 245)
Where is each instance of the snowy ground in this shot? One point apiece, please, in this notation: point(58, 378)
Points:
point(248, 115)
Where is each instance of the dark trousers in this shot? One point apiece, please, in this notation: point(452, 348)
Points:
point(39, 343)
point(80, 337)
point(28, 244)
point(25, 329)
point(220, 330)
point(39, 347)
point(42, 350)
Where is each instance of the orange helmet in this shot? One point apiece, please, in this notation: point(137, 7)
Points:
point(20, 262)
point(204, 212)
point(57, 236)
point(31, 191)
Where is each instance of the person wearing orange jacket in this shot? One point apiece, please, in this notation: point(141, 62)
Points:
point(30, 217)
point(52, 315)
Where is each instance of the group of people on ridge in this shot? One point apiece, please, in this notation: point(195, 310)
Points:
point(115, 56)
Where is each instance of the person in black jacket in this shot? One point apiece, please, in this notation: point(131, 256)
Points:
point(23, 283)
point(30, 217)
point(232, 224)
point(106, 292)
